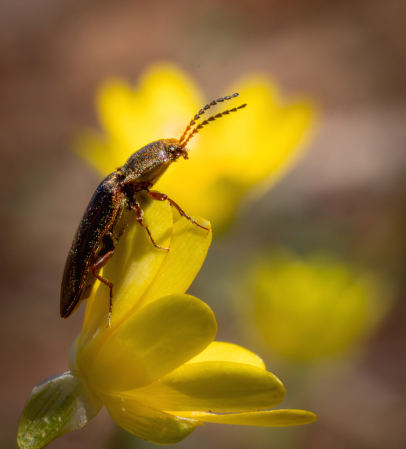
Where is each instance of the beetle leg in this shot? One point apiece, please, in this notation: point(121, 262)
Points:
point(140, 218)
point(162, 197)
point(99, 263)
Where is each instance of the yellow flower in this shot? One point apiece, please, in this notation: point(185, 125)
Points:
point(228, 157)
point(313, 307)
point(157, 370)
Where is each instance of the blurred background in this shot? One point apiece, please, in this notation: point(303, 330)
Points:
point(334, 226)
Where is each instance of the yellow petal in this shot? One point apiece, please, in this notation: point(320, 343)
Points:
point(150, 344)
point(269, 127)
point(189, 246)
point(269, 418)
point(72, 355)
point(146, 423)
point(227, 352)
point(214, 386)
point(132, 269)
point(137, 260)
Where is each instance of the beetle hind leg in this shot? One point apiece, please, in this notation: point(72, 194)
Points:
point(99, 263)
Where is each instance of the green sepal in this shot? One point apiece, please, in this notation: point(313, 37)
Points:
point(56, 406)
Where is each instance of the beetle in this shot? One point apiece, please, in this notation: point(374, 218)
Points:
point(105, 218)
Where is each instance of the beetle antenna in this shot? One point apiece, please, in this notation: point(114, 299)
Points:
point(202, 111)
point(207, 122)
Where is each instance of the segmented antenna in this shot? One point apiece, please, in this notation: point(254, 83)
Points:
point(185, 139)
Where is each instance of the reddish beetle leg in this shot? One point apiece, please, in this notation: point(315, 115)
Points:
point(162, 197)
point(140, 218)
point(100, 262)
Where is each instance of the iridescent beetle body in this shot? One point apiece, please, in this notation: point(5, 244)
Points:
point(106, 216)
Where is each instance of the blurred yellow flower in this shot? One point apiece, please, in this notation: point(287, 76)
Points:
point(228, 157)
point(313, 307)
point(157, 370)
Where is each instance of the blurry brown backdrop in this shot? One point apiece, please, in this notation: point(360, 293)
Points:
point(348, 193)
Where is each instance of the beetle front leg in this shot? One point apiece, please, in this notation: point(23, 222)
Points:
point(99, 263)
point(162, 197)
point(140, 218)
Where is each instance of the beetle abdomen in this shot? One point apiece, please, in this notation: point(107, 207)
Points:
point(99, 217)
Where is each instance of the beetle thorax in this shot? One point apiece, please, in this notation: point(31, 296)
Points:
point(149, 163)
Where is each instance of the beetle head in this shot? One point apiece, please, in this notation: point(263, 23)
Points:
point(174, 149)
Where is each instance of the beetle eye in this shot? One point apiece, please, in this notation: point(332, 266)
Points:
point(172, 149)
